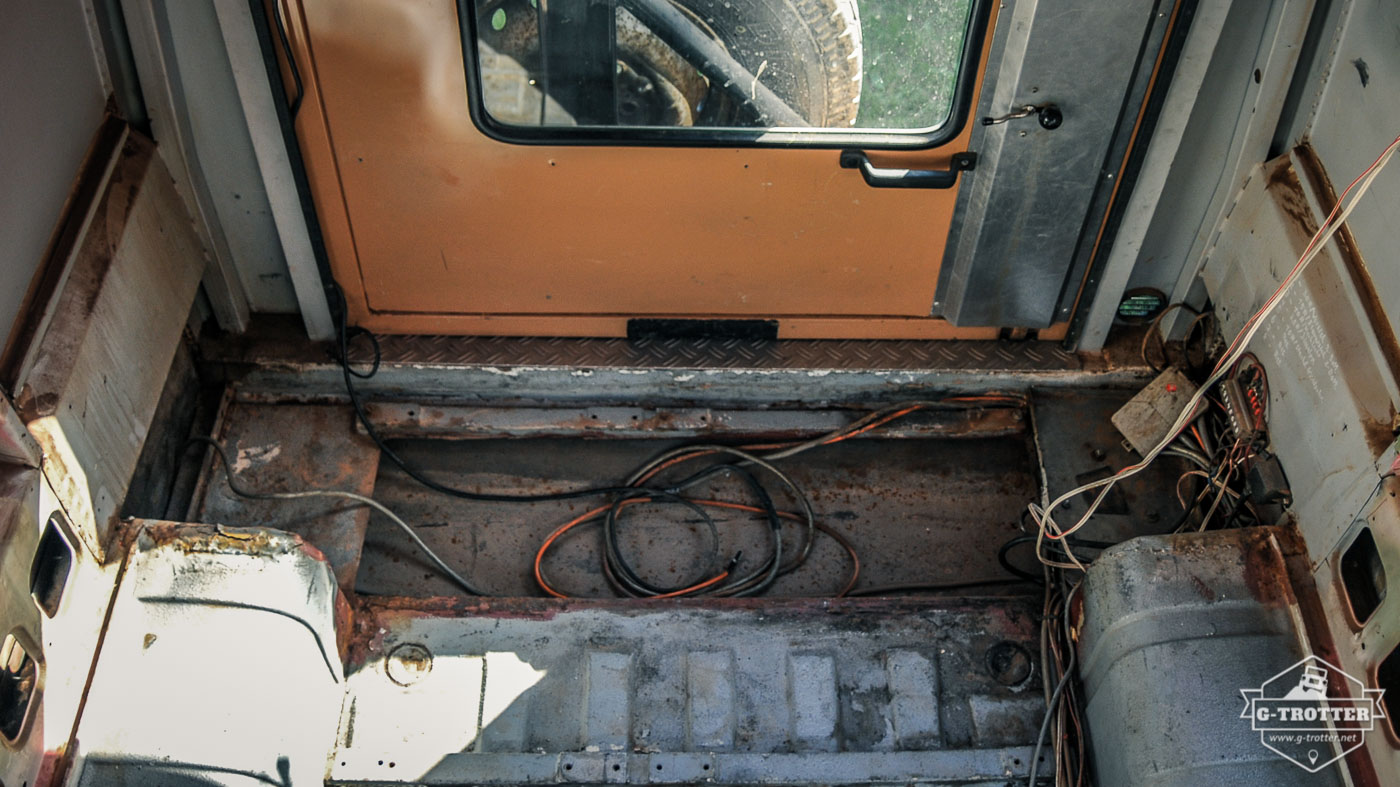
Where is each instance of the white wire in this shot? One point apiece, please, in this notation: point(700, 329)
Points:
point(1043, 516)
point(337, 494)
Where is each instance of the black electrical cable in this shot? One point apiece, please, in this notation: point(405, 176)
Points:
point(617, 570)
point(334, 494)
point(629, 581)
point(760, 579)
point(349, 373)
point(1003, 554)
point(295, 105)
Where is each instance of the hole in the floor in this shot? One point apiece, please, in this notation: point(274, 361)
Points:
point(1388, 678)
point(18, 678)
point(705, 767)
point(617, 767)
point(1363, 576)
point(658, 766)
point(568, 766)
point(48, 574)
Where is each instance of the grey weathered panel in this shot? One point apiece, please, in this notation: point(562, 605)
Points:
point(603, 689)
point(1331, 393)
point(812, 694)
point(607, 712)
point(53, 97)
point(1231, 124)
point(913, 682)
point(1353, 118)
point(1026, 203)
point(709, 694)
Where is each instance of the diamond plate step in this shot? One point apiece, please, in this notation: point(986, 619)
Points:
point(725, 354)
point(277, 361)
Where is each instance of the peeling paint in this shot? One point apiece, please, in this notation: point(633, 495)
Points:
point(255, 455)
point(501, 372)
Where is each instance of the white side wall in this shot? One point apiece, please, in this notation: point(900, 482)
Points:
point(51, 103)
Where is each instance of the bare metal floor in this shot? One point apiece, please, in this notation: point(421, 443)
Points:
point(918, 510)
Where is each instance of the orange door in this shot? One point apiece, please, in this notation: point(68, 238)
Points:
point(433, 226)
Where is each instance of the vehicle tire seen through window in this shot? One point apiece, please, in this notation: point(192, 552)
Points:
point(808, 52)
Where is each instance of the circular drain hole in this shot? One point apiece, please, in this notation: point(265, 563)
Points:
point(1009, 663)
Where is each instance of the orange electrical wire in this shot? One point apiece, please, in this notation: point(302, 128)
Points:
point(597, 512)
point(1197, 433)
point(840, 436)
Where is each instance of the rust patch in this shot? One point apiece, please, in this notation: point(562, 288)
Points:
point(1380, 432)
point(210, 539)
point(31, 406)
point(373, 618)
point(1264, 572)
point(85, 193)
point(376, 612)
point(53, 768)
point(1355, 265)
point(1299, 568)
point(345, 621)
point(1287, 189)
point(1206, 591)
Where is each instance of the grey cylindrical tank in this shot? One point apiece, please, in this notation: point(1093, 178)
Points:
point(1174, 627)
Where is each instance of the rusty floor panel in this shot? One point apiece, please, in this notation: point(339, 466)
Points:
point(919, 506)
point(1080, 444)
point(917, 510)
point(290, 448)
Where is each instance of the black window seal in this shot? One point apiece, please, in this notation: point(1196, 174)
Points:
point(818, 139)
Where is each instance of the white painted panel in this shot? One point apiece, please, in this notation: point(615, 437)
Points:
point(51, 102)
point(1357, 113)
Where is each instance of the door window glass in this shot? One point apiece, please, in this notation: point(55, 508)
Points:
point(718, 70)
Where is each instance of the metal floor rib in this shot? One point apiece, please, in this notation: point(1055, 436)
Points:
point(746, 692)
